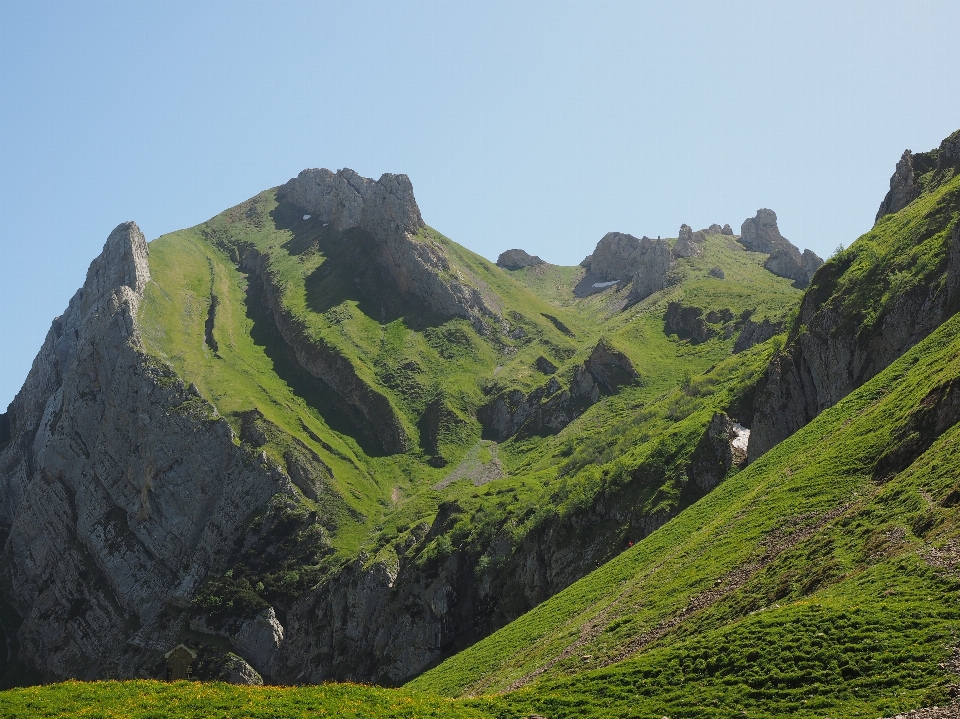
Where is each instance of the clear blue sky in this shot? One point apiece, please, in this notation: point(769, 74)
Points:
point(521, 124)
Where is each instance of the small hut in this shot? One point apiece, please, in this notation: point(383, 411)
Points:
point(180, 663)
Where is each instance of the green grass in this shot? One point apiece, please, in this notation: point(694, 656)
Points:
point(859, 576)
point(186, 700)
point(427, 367)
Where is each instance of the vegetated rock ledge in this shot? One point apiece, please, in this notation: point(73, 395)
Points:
point(328, 365)
point(549, 408)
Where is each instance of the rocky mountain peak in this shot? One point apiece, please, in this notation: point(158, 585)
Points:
point(761, 234)
point(123, 263)
point(902, 189)
point(387, 210)
point(346, 200)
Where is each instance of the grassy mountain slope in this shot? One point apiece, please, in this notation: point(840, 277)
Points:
point(821, 579)
point(205, 313)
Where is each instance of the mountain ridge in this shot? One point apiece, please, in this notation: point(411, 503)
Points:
point(422, 446)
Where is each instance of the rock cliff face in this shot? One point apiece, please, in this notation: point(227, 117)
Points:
point(616, 257)
point(826, 357)
point(653, 273)
point(517, 259)
point(761, 234)
point(902, 189)
point(388, 211)
point(113, 482)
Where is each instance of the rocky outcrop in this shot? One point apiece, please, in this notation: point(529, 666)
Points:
point(690, 243)
point(761, 234)
point(388, 211)
point(610, 368)
point(549, 408)
point(904, 187)
point(121, 487)
point(616, 257)
point(619, 257)
point(691, 323)
point(754, 333)
point(653, 274)
point(722, 446)
point(810, 262)
point(727, 230)
point(517, 259)
point(902, 190)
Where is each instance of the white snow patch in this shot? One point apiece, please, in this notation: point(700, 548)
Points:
point(605, 284)
point(742, 437)
point(307, 217)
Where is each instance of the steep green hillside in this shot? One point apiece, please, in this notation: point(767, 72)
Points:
point(820, 580)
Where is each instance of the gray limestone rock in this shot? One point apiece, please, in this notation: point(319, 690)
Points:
point(653, 271)
point(727, 230)
point(112, 487)
point(549, 408)
point(722, 446)
point(761, 234)
point(810, 262)
point(902, 189)
point(517, 259)
point(689, 243)
point(754, 333)
point(616, 257)
point(687, 323)
point(237, 671)
point(912, 166)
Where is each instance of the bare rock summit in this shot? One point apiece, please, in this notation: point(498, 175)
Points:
point(387, 210)
point(761, 234)
point(517, 259)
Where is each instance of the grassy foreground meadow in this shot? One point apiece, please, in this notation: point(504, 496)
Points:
point(142, 699)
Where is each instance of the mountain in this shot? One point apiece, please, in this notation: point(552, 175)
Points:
point(315, 439)
point(823, 578)
point(274, 435)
